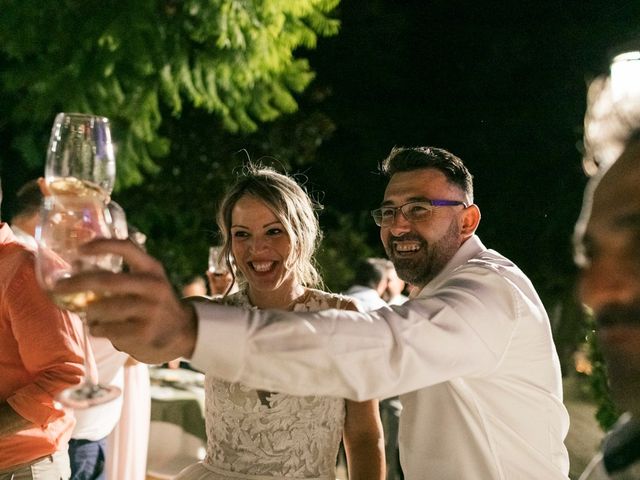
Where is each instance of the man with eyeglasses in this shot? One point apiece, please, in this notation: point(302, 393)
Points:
point(471, 354)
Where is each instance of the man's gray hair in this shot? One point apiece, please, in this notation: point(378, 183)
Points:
point(610, 123)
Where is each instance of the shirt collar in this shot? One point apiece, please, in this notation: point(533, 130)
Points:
point(6, 235)
point(468, 250)
point(24, 238)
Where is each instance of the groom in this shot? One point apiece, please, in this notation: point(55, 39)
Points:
point(471, 355)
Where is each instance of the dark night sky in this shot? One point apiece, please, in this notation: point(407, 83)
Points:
point(500, 84)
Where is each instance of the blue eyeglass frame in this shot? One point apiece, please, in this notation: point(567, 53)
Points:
point(433, 203)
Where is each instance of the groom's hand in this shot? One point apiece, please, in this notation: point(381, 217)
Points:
point(137, 310)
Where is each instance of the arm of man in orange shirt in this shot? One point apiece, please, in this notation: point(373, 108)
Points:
point(10, 421)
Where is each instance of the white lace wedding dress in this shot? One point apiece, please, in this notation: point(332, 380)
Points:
point(260, 435)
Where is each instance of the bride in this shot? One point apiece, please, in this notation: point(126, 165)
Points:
point(270, 232)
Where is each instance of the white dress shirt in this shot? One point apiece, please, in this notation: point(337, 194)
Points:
point(398, 299)
point(96, 422)
point(471, 356)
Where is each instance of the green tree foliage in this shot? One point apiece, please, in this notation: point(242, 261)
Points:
point(607, 413)
point(569, 327)
point(343, 246)
point(176, 209)
point(135, 62)
point(574, 332)
point(193, 89)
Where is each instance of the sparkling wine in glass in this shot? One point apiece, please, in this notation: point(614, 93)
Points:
point(80, 156)
point(67, 222)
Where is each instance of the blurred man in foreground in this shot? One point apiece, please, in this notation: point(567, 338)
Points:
point(607, 245)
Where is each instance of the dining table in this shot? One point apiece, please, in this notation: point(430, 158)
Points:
point(177, 434)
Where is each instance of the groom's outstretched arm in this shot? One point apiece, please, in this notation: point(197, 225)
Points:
point(341, 353)
point(139, 310)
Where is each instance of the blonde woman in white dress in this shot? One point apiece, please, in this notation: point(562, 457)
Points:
point(270, 231)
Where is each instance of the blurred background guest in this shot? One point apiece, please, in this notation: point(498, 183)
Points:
point(375, 279)
point(394, 294)
point(196, 287)
point(88, 454)
point(87, 446)
point(369, 284)
point(40, 356)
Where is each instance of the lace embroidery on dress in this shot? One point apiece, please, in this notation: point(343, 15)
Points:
point(291, 437)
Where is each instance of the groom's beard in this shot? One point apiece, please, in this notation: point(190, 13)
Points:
point(429, 260)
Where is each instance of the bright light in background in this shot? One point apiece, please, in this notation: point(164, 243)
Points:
point(613, 105)
point(625, 76)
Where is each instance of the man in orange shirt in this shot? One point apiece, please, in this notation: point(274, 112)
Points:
point(40, 355)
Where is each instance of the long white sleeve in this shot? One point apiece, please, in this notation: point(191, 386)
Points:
point(462, 331)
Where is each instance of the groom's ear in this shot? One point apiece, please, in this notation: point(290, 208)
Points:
point(470, 220)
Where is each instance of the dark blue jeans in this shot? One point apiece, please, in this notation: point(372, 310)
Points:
point(87, 459)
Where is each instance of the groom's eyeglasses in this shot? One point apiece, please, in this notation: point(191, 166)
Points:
point(413, 211)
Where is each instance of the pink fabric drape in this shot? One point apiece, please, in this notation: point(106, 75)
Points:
point(127, 444)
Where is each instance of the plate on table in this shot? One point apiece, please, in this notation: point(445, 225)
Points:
point(179, 377)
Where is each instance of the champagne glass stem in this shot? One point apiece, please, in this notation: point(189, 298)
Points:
point(89, 392)
point(89, 383)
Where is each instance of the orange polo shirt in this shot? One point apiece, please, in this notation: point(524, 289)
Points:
point(40, 355)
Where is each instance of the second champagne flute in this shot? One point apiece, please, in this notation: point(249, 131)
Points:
point(217, 264)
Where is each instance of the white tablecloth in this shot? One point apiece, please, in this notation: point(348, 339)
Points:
point(177, 435)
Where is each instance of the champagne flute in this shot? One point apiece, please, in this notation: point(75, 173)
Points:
point(67, 222)
point(217, 264)
point(218, 273)
point(80, 156)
